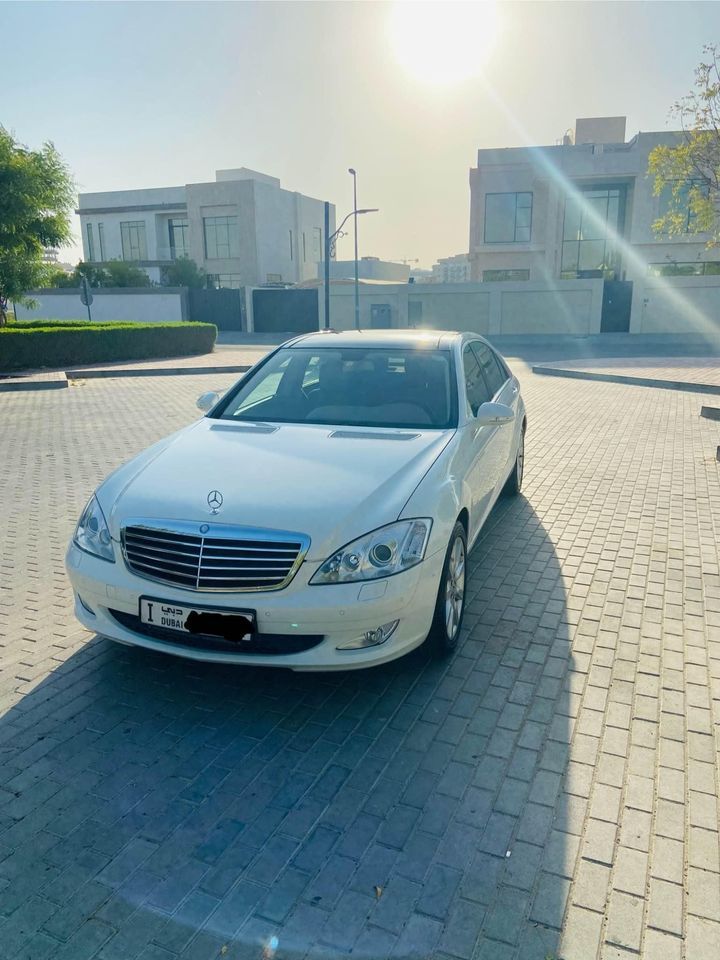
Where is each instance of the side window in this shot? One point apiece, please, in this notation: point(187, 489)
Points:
point(475, 386)
point(493, 370)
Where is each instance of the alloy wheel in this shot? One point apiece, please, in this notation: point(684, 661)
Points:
point(455, 588)
point(520, 464)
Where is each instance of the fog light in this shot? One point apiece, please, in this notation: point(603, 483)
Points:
point(371, 638)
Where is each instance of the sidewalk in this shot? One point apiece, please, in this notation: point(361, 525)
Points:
point(224, 359)
point(697, 374)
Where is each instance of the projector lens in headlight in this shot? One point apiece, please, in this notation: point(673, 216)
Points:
point(381, 553)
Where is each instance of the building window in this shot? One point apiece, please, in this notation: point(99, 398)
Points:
point(304, 256)
point(90, 242)
point(592, 228)
point(273, 278)
point(224, 281)
point(508, 217)
point(694, 268)
point(677, 196)
point(291, 244)
point(222, 239)
point(132, 236)
point(101, 240)
point(179, 232)
point(491, 276)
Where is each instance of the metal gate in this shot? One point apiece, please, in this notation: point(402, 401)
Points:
point(224, 308)
point(616, 305)
point(380, 316)
point(285, 311)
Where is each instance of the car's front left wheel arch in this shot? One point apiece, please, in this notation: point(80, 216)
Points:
point(450, 603)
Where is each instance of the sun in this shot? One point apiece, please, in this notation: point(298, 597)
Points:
point(443, 43)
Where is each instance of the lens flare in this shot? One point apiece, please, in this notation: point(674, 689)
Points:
point(442, 44)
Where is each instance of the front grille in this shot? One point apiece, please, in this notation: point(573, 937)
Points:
point(263, 644)
point(223, 558)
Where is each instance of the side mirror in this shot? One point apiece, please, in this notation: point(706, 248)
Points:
point(494, 414)
point(206, 401)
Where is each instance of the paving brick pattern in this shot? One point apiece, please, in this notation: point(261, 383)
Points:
point(551, 792)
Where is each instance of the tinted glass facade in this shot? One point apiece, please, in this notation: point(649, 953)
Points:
point(179, 235)
point(222, 238)
point(134, 244)
point(593, 225)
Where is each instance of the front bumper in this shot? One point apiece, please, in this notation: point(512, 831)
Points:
point(338, 613)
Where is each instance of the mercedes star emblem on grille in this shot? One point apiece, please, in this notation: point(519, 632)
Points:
point(215, 501)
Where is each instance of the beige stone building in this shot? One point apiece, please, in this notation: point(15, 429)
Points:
point(581, 209)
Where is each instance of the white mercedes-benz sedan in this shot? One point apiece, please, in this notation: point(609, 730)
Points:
point(319, 516)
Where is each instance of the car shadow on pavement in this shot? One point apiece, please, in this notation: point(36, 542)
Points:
point(155, 807)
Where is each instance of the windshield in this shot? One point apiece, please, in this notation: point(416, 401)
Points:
point(355, 386)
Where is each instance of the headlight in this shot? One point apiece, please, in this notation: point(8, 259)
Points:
point(92, 534)
point(381, 553)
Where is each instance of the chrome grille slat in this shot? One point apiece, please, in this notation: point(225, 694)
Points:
point(161, 562)
point(238, 579)
point(291, 552)
point(240, 562)
point(177, 577)
point(235, 561)
point(158, 538)
point(150, 547)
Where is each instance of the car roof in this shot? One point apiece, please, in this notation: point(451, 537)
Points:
point(407, 338)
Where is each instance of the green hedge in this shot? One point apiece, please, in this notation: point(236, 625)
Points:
point(32, 324)
point(58, 343)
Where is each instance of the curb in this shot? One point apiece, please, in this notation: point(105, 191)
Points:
point(632, 381)
point(151, 372)
point(57, 381)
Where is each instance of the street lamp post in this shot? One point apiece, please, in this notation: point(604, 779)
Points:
point(330, 242)
point(353, 174)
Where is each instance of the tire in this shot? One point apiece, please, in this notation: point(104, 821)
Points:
point(450, 604)
point(513, 484)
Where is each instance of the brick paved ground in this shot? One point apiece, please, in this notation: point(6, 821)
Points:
point(550, 792)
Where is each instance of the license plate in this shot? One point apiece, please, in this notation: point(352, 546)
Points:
point(234, 625)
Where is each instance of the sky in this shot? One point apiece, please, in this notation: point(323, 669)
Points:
point(137, 94)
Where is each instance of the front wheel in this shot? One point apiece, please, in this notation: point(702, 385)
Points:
point(450, 603)
point(513, 484)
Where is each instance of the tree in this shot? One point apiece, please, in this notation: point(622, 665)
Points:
point(120, 273)
point(36, 199)
point(184, 272)
point(95, 276)
point(688, 174)
point(59, 278)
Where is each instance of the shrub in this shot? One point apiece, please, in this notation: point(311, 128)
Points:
point(59, 343)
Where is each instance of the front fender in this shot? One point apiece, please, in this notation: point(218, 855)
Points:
point(442, 494)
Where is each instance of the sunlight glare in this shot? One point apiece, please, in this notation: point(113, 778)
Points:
point(443, 43)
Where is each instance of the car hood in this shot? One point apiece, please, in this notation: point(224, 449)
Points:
point(330, 483)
